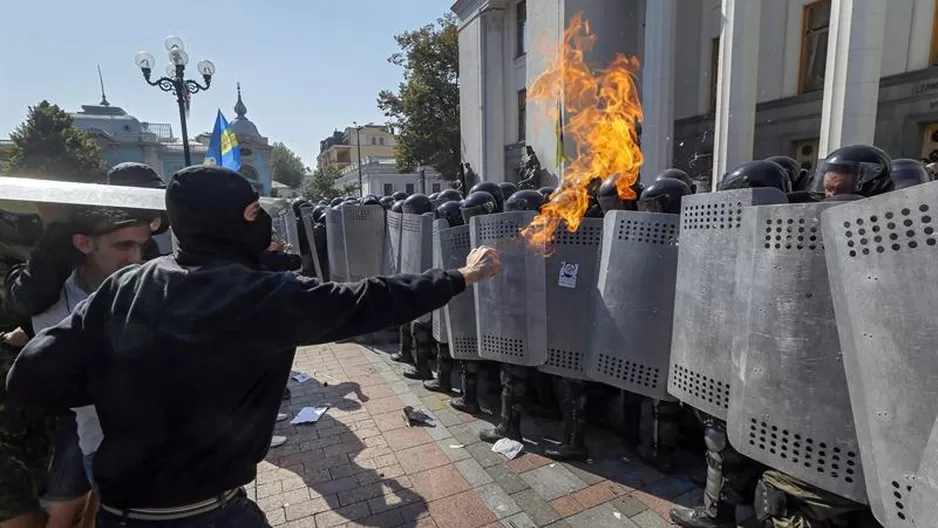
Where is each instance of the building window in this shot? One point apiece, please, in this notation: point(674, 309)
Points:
point(816, 23)
point(374, 141)
point(388, 189)
point(521, 28)
point(409, 188)
point(381, 141)
point(435, 187)
point(806, 153)
point(522, 113)
point(714, 71)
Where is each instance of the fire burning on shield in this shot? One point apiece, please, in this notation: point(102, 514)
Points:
point(601, 111)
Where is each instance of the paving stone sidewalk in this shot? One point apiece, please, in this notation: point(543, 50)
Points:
point(360, 465)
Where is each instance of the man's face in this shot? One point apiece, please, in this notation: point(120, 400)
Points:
point(837, 183)
point(115, 250)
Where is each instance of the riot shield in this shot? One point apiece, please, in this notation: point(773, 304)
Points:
point(291, 233)
point(19, 195)
point(314, 245)
point(881, 253)
point(633, 307)
point(511, 308)
point(789, 404)
point(364, 230)
point(392, 251)
point(417, 247)
point(702, 332)
point(439, 321)
point(335, 242)
point(569, 285)
point(925, 493)
point(460, 313)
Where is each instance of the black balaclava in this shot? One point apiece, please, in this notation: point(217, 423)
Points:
point(206, 205)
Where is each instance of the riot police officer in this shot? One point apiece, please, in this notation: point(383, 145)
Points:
point(451, 212)
point(908, 172)
point(507, 189)
point(421, 332)
point(386, 202)
point(608, 196)
point(678, 174)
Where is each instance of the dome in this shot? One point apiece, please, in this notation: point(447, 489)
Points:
point(241, 125)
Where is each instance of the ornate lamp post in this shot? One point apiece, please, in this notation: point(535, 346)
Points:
point(175, 81)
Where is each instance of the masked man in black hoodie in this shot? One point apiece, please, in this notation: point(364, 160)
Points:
point(186, 356)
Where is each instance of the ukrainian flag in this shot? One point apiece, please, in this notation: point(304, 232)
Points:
point(223, 149)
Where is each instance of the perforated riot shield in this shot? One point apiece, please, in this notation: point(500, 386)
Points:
point(789, 404)
point(511, 309)
point(925, 493)
point(314, 244)
point(881, 253)
point(569, 288)
point(417, 247)
point(702, 333)
point(460, 313)
point(365, 231)
point(392, 252)
point(633, 307)
point(335, 242)
point(439, 321)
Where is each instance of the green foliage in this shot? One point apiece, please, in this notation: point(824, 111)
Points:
point(322, 184)
point(47, 145)
point(425, 110)
point(286, 167)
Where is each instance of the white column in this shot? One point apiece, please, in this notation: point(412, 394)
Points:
point(492, 18)
point(851, 81)
point(658, 87)
point(734, 129)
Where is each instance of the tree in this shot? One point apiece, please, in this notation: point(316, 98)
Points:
point(322, 184)
point(425, 111)
point(47, 145)
point(286, 167)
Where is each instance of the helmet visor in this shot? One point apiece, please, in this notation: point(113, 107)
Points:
point(834, 178)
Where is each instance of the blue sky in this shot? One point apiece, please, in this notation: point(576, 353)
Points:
point(305, 66)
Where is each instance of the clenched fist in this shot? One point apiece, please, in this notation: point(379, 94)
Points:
point(482, 263)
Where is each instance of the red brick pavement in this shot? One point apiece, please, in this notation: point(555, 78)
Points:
point(360, 465)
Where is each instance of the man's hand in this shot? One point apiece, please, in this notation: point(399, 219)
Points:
point(482, 263)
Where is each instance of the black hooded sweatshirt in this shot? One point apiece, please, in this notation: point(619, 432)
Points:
point(186, 356)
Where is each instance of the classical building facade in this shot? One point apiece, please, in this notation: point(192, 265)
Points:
point(379, 176)
point(344, 148)
point(722, 81)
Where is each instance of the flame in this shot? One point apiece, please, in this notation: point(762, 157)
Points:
point(602, 112)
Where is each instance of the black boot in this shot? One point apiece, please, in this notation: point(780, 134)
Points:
point(659, 451)
point(423, 347)
point(513, 389)
point(405, 353)
point(572, 408)
point(699, 518)
point(468, 401)
point(444, 371)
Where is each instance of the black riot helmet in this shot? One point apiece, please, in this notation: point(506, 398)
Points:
point(478, 203)
point(371, 200)
point(353, 201)
point(336, 201)
point(663, 196)
point(908, 172)
point(386, 202)
point(759, 173)
point(546, 191)
point(435, 199)
point(450, 195)
point(678, 174)
point(855, 169)
point(795, 173)
point(418, 204)
point(450, 211)
point(493, 189)
point(298, 203)
point(398, 206)
point(525, 200)
point(399, 195)
point(608, 196)
point(319, 214)
point(508, 189)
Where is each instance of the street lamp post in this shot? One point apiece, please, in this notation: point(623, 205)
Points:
point(175, 81)
point(358, 141)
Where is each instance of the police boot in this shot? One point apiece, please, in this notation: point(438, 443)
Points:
point(513, 389)
point(444, 371)
point(405, 354)
point(700, 518)
point(468, 402)
point(659, 452)
point(572, 408)
point(423, 345)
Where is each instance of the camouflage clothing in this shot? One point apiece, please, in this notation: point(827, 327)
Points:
point(807, 506)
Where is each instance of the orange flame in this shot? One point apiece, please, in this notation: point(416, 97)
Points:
point(602, 109)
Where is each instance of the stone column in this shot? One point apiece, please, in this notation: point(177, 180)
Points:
point(851, 80)
point(734, 128)
point(658, 87)
point(492, 19)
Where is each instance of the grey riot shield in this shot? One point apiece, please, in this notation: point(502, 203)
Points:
point(364, 230)
point(511, 309)
point(392, 251)
point(789, 404)
point(633, 307)
point(314, 245)
point(335, 242)
point(460, 313)
point(278, 225)
point(19, 195)
point(702, 333)
point(881, 255)
point(570, 284)
point(417, 247)
point(291, 233)
point(439, 320)
point(925, 493)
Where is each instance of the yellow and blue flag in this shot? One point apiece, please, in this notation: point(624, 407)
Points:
point(223, 148)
